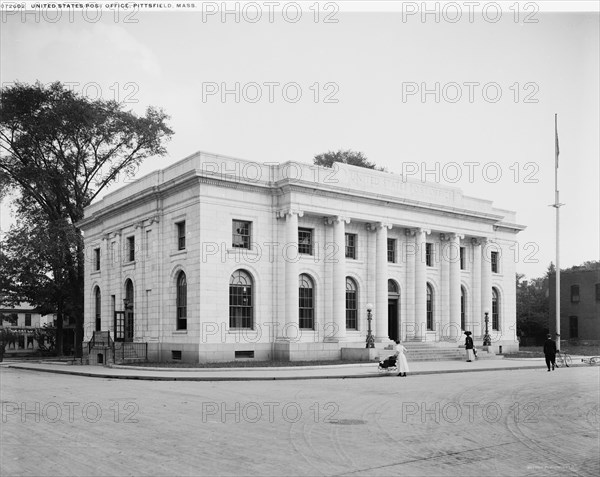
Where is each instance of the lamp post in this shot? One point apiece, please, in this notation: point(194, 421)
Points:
point(487, 341)
point(370, 339)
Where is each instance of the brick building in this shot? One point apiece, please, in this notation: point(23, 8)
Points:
point(579, 304)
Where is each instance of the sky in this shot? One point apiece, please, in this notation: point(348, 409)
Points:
point(461, 96)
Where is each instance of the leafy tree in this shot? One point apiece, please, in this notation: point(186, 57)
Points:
point(58, 151)
point(347, 157)
point(533, 308)
point(6, 336)
point(46, 338)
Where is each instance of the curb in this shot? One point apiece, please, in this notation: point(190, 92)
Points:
point(264, 378)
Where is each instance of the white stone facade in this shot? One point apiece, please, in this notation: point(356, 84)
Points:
point(209, 192)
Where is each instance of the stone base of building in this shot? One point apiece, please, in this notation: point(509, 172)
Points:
point(499, 347)
point(360, 354)
point(298, 351)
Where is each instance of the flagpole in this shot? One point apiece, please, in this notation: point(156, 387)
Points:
point(557, 206)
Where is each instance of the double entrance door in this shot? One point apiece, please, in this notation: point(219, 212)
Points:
point(124, 325)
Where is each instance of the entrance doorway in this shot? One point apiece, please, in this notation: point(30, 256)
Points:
point(393, 310)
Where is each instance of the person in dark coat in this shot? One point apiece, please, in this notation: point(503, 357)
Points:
point(550, 352)
point(469, 347)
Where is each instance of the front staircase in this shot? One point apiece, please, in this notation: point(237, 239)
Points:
point(442, 351)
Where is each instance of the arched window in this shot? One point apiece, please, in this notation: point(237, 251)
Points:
point(351, 304)
point(393, 287)
point(463, 308)
point(98, 311)
point(181, 302)
point(128, 327)
point(429, 308)
point(129, 294)
point(241, 305)
point(306, 302)
point(495, 309)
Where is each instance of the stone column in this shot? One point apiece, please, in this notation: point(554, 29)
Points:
point(420, 285)
point(339, 275)
point(291, 258)
point(105, 271)
point(454, 259)
point(486, 284)
point(444, 332)
point(381, 301)
point(408, 253)
point(476, 315)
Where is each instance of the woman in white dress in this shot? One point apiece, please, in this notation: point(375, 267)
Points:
point(401, 359)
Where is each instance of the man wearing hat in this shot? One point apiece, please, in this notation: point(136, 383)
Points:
point(469, 347)
point(550, 352)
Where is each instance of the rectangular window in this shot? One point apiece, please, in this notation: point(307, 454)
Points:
point(391, 250)
point(351, 246)
point(180, 235)
point(306, 308)
point(131, 248)
point(148, 243)
point(305, 241)
point(351, 310)
point(429, 254)
point(96, 259)
point(494, 259)
point(462, 259)
point(241, 234)
point(574, 293)
point(27, 319)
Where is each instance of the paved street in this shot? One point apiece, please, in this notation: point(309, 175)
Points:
point(518, 422)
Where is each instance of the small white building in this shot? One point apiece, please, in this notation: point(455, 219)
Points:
point(23, 320)
point(215, 258)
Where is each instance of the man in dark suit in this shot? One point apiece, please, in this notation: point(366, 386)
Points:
point(550, 352)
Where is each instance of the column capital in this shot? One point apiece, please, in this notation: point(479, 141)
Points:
point(454, 236)
point(139, 225)
point(336, 219)
point(154, 219)
point(374, 226)
point(411, 232)
point(283, 213)
point(479, 240)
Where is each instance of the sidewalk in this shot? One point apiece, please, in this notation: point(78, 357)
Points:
point(344, 371)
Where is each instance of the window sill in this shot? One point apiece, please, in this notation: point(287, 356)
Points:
point(178, 253)
point(180, 332)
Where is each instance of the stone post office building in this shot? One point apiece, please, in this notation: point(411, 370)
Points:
point(215, 258)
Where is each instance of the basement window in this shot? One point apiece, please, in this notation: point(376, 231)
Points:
point(244, 354)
